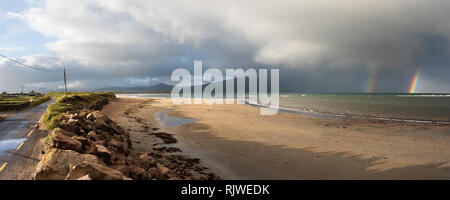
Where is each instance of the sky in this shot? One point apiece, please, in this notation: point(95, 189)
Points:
point(318, 45)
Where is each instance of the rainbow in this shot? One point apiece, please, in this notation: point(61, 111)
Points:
point(415, 80)
point(371, 83)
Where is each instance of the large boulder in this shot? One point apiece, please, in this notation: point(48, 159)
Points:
point(163, 169)
point(70, 123)
point(132, 171)
point(146, 160)
point(86, 124)
point(95, 172)
point(61, 141)
point(104, 134)
point(154, 172)
point(101, 123)
point(137, 173)
point(55, 164)
point(102, 151)
point(121, 146)
point(84, 141)
point(94, 136)
point(66, 133)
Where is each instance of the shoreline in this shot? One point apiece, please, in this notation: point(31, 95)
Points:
point(313, 113)
point(146, 137)
point(361, 118)
point(236, 143)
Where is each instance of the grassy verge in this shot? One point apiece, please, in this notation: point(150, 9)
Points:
point(38, 101)
point(73, 101)
point(21, 102)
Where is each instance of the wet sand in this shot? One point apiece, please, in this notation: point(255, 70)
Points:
point(236, 142)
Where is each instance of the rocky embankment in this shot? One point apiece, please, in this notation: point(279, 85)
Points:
point(89, 146)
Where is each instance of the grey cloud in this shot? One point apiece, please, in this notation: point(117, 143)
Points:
point(320, 45)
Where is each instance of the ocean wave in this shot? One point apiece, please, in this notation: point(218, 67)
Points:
point(329, 115)
point(423, 95)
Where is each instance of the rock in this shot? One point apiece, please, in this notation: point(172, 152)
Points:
point(103, 152)
point(114, 143)
point(163, 169)
point(93, 136)
point(61, 141)
point(85, 178)
point(100, 123)
point(83, 113)
point(121, 146)
point(69, 123)
point(92, 149)
point(60, 131)
point(90, 117)
point(165, 137)
point(137, 173)
point(131, 152)
point(116, 127)
point(86, 124)
point(104, 134)
point(117, 137)
point(124, 169)
point(124, 138)
point(97, 114)
point(55, 165)
point(145, 156)
point(146, 160)
point(95, 171)
point(120, 159)
point(132, 160)
point(84, 141)
point(156, 173)
point(101, 142)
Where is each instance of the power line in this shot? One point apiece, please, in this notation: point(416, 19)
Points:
point(39, 69)
point(29, 66)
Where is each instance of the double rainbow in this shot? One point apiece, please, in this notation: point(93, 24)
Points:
point(373, 76)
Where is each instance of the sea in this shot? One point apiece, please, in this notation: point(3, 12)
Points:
point(402, 107)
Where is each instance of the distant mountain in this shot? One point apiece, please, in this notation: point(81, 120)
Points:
point(168, 88)
point(153, 88)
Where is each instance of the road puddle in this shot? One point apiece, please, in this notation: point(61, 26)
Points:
point(10, 144)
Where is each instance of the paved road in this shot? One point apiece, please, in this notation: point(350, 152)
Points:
point(20, 143)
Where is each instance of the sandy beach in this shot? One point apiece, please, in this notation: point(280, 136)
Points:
point(236, 142)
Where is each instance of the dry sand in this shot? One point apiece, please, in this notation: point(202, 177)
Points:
point(236, 142)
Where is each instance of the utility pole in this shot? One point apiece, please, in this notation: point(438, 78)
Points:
point(65, 81)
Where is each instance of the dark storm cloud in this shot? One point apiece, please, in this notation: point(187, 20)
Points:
point(320, 45)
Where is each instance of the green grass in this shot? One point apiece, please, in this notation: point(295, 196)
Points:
point(73, 101)
point(54, 111)
point(21, 102)
point(19, 99)
point(47, 139)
